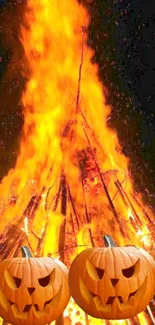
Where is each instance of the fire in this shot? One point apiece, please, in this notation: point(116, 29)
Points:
point(74, 313)
point(71, 177)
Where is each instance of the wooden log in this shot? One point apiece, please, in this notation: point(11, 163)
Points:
point(61, 244)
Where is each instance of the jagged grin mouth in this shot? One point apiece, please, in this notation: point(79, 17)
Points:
point(132, 300)
point(34, 308)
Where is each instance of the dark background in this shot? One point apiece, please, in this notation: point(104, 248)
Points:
point(122, 32)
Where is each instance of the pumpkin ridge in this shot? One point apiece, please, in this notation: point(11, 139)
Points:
point(123, 256)
point(36, 261)
point(81, 264)
point(18, 265)
point(113, 261)
point(30, 271)
point(15, 261)
point(41, 262)
point(61, 269)
point(84, 258)
point(92, 254)
point(101, 258)
point(129, 253)
point(133, 261)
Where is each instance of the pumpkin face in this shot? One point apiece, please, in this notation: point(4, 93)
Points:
point(33, 291)
point(112, 282)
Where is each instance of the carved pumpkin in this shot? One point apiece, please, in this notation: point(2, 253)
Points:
point(112, 282)
point(33, 291)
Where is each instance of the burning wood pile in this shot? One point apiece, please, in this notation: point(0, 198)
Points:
point(71, 183)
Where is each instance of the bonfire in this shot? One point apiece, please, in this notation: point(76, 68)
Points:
point(71, 183)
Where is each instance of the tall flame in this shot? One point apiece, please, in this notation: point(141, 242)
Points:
point(66, 136)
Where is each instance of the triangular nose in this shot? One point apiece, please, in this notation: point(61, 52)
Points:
point(30, 290)
point(114, 282)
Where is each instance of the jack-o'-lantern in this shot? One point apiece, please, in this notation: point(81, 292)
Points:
point(112, 282)
point(33, 291)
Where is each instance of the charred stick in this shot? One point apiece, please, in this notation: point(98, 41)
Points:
point(88, 127)
point(29, 245)
point(33, 233)
point(10, 240)
point(103, 184)
point(61, 245)
point(18, 249)
point(145, 213)
point(122, 195)
point(86, 319)
point(72, 222)
point(80, 71)
point(32, 206)
point(74, 122)
point(57, 197)
point(101, 178)
point(135, 321)
point(48, 192)
point(129, 202)
point(73, 206)
point(118, 191)
point(88, 219)
point(66, 249)
point(40, 241)
point(63, 196)
point(63, 211)
point(131, 220)
point(14, 198)
point(150, 314)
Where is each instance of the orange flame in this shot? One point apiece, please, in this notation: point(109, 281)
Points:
point(66, 133)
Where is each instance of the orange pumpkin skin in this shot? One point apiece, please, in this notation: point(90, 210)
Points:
point(112, 282)
point(33, 291)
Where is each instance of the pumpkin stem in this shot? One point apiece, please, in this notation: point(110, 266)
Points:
point(108, 241)
point(26, 252)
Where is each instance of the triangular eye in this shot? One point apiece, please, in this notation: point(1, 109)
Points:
point(44, 281)
point(129, 272)
point(17, 282)
point(100, 272)
point(95, 273)
point(12, 281)
point(47, 279)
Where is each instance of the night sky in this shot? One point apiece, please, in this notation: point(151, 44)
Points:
point(122, 32)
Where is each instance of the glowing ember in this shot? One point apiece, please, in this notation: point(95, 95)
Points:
point(71, 182)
